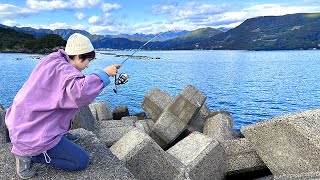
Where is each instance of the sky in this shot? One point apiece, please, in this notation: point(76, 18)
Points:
point(110, 17)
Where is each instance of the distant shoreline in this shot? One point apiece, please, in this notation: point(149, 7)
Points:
point(48, 51)
point(28, 51)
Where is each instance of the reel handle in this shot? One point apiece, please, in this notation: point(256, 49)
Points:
point(122, 79)
point(115, 89)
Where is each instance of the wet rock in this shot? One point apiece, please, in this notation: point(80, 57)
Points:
point(120, 112)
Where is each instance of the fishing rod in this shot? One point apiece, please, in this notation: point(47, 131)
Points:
point(143, 46)
point(124, 77)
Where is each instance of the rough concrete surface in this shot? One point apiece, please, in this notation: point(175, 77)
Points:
point(144, 157)
point(241, 156)
point(202, 156)
point(219, 125)
point(4, 134)
point(103, 164)
point(101, 111)
point(288, 144)
point(84, 119)
point(155, 102)
point(109, 132)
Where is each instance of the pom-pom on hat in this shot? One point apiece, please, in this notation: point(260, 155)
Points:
point(78, 44)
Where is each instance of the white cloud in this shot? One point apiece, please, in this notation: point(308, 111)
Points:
point(195, 15)
point(6, 7)
point(53, 26)
point(106, 7)
point(80, 27)
point(56, 25)
point(196, 10)
point(165, 9)
point(46, 5)
point(230, 26)
point(199, 15)
point(94, 20)
point(150, 27)
point(226, 19)
point(61, 4)
point(276, 9)
point(191, 10)
point(7, 10)
point(10, 23)
point(101, 30)
point(12, 11)
point(107, 15)
point(79, 15)
point(84, 3)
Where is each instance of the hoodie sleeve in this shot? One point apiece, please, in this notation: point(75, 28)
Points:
point(81, 91)
point(103, 75)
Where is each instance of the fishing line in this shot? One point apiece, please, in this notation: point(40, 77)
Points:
point(124, 77)
point(143, 46)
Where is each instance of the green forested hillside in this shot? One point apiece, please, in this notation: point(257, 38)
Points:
point(12, 39)
point(49, 41)
point(199, 34)
point(188, 41)
point(15, 41)
point(117, 43)
point(294, 31)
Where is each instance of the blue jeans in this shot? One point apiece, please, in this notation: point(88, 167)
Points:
point(65, 155)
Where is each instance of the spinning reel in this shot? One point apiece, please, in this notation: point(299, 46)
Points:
point(122, 79)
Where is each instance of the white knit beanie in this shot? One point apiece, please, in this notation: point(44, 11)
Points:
point(78, 44)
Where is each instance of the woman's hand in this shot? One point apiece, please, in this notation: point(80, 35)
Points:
point(112, 70)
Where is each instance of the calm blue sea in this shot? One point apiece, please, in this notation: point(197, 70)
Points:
point(252, 85)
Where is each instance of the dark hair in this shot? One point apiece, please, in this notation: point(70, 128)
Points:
point(90, 55)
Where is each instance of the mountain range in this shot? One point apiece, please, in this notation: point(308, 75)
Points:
point(287, 32)
point(65, 33)
point(294, 31)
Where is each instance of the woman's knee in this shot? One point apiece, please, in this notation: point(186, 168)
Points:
point(83, 162)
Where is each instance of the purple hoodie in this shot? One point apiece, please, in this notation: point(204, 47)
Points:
point(43, 109)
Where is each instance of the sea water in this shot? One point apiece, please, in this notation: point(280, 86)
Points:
point(252, 85)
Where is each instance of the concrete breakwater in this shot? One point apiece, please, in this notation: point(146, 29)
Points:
point(181, 138)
